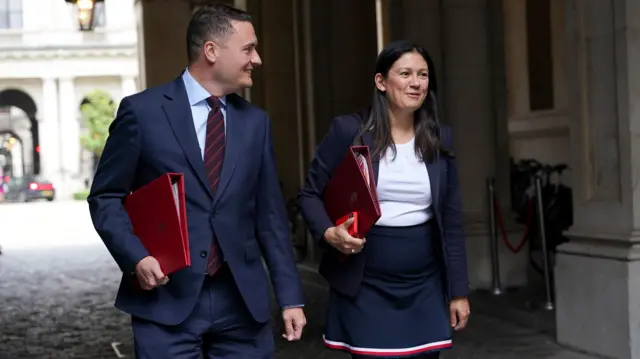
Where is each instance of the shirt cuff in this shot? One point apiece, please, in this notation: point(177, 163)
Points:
point(292, 306)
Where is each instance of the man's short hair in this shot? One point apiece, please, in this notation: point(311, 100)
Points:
point(211, 22)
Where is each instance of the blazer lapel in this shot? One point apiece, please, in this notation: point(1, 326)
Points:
point(178, 112)
point(433, 169)
point(367, 140)
point(233, 144)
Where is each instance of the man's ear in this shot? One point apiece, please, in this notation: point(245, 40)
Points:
point(211, 51)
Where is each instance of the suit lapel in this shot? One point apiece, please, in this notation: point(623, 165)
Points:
point(433, 169)
point(233, 144)
point(367, 140)
point(178, 112)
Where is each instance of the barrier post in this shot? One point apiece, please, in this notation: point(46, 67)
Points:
point(495, 260)
point(548, 305)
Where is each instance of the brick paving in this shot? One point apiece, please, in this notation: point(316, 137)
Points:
point(58, 303)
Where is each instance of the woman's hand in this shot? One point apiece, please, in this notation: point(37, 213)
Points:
point(460, 311)
point(338, 237)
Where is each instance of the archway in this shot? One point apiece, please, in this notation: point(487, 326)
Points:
point(12, 162)
point(19, 99)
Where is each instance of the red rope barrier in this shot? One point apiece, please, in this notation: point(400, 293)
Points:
point(503, 231)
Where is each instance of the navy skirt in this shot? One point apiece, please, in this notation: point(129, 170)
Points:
point(401, 308)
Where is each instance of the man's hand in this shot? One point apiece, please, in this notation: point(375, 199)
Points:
point(294, 321)
point(459, 311)
point(339, 238)
point(149, 273)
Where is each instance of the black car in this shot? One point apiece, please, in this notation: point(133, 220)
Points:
point(29, 188)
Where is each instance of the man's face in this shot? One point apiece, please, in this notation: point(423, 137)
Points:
point(237, 57)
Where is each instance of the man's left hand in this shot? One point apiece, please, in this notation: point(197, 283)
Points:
point(459, 311)
point(294, 321)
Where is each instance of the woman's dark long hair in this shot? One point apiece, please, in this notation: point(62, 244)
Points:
point(426, 121)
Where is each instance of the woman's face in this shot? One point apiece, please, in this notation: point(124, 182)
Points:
point(407, 82)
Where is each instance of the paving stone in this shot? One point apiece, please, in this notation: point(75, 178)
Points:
point(57, 302)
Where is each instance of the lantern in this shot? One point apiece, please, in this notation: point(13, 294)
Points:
point(85, 11)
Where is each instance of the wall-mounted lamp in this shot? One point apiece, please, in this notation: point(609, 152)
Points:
point(85, 11)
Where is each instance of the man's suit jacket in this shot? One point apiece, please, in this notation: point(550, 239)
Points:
point(346, 276)
point(153, 134)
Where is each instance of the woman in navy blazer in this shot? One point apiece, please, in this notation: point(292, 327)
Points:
point(403, 288)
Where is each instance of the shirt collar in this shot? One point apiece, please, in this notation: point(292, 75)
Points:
point(195, 92)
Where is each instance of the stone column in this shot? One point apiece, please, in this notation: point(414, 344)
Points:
point(69, 137)
point(162, 29)
point(345, 50)
point(472, 90)
point(420, 21)
point(279, 33)
point(598, 272)
point(49, 131)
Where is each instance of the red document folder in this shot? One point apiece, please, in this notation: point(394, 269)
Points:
point(349, 191)
point(159, 218)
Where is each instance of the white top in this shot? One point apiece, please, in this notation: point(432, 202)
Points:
point(404, 189)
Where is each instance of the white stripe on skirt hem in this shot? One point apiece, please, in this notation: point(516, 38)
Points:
point(387, 352)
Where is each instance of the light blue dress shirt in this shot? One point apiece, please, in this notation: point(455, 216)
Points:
point(200, 107)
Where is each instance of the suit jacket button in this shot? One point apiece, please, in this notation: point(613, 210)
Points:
point(203, 254)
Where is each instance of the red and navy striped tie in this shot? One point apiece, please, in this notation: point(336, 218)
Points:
point(213, 157)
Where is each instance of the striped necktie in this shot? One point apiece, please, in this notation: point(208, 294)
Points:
point(213, 158)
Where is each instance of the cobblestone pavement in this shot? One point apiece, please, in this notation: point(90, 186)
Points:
point(57, 285)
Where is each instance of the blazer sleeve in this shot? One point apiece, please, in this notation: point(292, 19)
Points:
point(111, 183)
point(273, 230)
point(453, 226)
point(329, 154)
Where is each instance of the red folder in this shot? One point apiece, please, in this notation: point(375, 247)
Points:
point(348, 191)
point(159, 218)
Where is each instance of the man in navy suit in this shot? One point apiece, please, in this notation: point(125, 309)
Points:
point(198, 126)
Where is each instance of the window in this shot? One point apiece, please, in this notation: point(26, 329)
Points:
point(10, 14)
